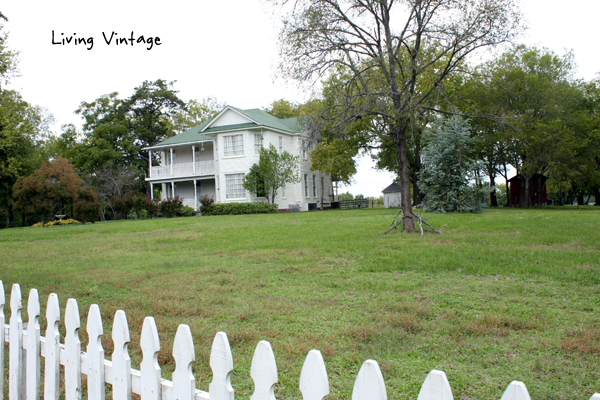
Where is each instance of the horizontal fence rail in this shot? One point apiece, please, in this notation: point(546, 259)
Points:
point(27, 346)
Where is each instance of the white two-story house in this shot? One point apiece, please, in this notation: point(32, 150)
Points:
point(213, 158)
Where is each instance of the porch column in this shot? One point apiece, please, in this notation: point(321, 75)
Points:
point(195, 196)
point(163, 193)
point(194, 159)
point(151, 192)
point(150, 164)
point(172, 189)
point(171, 154)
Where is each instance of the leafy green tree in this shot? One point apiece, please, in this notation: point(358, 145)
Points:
point(449, 169)
point(409, 48)
point(271, 173)
point(195, 113)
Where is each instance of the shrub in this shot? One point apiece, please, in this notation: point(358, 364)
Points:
point(185, 211)
point(87, 207)
point(169, 207)
point(57, 222)
point(206, 204)
point(243, 208)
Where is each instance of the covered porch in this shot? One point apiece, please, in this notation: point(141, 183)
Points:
point(190, 190)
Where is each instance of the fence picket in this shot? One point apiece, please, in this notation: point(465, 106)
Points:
point(436, 387)
point(516, 391)
point(121, 362)
point(95, 355)
point(52, 351)
point(32, 375)
point(2, 338)
point(149, 368)
point(16, 361)
point(263, 372)
point(314, 384)
point(369, 383)
point(184, 383)
point(221, 362)
point(72, 352)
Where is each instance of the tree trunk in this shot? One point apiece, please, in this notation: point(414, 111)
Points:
point(580, 198)
point(597, 195)
point(493, 199)
point(524, 197)
point(408, 224)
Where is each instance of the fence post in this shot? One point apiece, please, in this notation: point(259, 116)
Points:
point(15, 373)
point(2, 339)
point(516, 391)
point(149, 369)
point(33, 346)
point(184, 383)
point(52, 356)
point(263, 372)
point(369, 383)
point(221, 363)
point(436, 387)
point(72, 352)
point(314, 384)
point(95, 355)
point(121, 362)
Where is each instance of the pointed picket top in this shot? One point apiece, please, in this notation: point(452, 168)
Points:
point(516, 391)
point(72, 352)
point(33, 307)
point(436, 387)
point(121, 361)
point(2, 339)
point(16, 375)
point(32, 366)
point(184, 383)
point(95, 354)
point(263, 372)
point(149, 368)
point(369, 383)
point(16, 303)
point(221, 362)
point(596, 396)
point(314, 384)
point(2, 298)
point(52, 356)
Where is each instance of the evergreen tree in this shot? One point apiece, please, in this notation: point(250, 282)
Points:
point(447, 177)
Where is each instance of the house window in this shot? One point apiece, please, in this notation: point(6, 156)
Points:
point(234, 145)
point(258, 142)
point(280, 144)
point(233, 186)
point(304, 149)
point(305, 185)
point(314, 186)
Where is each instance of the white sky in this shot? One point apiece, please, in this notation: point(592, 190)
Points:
point(227, 49)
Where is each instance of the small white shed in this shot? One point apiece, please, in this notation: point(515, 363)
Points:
point(391, 196)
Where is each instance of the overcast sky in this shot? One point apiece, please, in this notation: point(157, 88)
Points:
point(226, 49)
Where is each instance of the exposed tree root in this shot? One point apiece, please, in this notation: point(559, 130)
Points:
point(398, 221)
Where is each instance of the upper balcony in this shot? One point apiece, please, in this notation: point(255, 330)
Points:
point(191, 169)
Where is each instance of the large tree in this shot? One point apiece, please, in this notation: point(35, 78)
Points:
point(403, 44)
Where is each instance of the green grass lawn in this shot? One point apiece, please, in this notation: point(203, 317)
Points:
point(503, 295)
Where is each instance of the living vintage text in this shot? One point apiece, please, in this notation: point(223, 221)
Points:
point(110, 39)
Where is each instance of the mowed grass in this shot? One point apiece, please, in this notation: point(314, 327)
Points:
point(503, 295)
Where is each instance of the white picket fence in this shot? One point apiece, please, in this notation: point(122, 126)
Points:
point(27, 346)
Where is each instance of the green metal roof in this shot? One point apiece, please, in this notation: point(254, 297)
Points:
point(261, 118)
point(191, 135)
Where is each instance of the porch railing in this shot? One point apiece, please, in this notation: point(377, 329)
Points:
point(184, 169)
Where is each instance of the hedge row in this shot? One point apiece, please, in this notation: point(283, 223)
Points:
point(242, 208)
